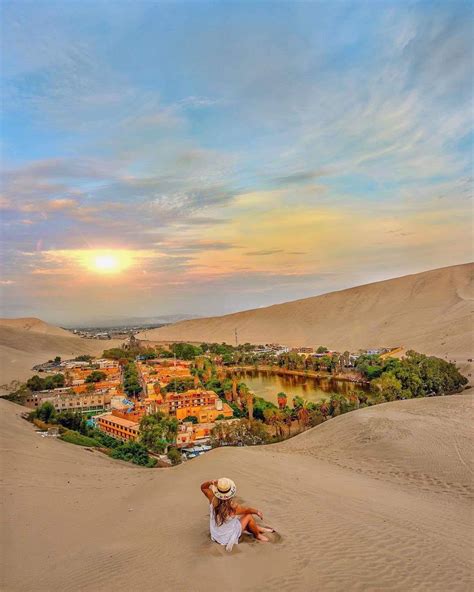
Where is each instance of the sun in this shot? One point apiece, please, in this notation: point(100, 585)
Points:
point(107, 263)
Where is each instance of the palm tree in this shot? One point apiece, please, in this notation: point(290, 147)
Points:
point(248, 396)
point(287, 418)
point(235, 396)
point(282, 400)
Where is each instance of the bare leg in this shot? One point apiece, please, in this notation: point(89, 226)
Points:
point(248, 523)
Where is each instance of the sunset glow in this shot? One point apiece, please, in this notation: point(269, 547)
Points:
point(107, 262)
point(211, 176)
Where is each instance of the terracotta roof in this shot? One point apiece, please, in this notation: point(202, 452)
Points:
point(119, 421)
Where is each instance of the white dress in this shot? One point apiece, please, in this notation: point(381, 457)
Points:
point(228, 533)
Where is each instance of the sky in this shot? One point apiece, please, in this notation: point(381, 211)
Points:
point(206, 157)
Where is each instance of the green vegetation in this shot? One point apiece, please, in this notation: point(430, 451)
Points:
point(118, 353)
point(174, 456)
point(74, 437)
point(133, 452)
point(84, 358)
point(96, 376)
point(322, 349)
point(192, 419)
point(179, 385)
point(46, 412)
point(185, 351)
point(37, 383)
point(261, 405)
point(158, 431)
point(131, 383)
point(246, 432)
point(414, 375)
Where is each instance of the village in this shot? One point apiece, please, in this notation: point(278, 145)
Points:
point(96, 388)
point(115, 403)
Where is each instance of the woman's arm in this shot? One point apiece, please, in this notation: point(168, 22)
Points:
point(206, 489)
point(248, 510)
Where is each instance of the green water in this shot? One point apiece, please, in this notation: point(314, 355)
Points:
point(267, 385)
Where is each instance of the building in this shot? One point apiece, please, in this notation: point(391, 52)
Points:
point(66, 401)
point(118, 427)
point(191, 398)
point(206, 413)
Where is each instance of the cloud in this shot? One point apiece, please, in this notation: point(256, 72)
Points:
point(264, 252)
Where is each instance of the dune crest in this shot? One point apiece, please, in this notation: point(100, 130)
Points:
point(26, 342)
point(377, 499)
point(430, 312)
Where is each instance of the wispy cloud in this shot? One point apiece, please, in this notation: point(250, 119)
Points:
point(338, 153)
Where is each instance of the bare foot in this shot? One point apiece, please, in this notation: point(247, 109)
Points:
point(262, 538)
point(266, 529)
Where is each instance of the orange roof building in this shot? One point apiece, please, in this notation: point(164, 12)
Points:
point(118, 427)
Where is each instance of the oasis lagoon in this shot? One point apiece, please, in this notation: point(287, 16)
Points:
point(267, 384)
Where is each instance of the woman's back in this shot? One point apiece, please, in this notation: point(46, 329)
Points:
point(226, 533)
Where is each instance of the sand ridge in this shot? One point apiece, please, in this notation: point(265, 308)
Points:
point(26, 342)
point(430, 312)
point(377, 499)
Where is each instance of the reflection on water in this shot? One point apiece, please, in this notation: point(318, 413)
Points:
point(268, 385)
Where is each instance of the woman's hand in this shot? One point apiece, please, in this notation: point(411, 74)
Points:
point(259, 514)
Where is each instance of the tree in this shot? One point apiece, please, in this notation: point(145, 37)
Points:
point(57, 360)
point(186, 351)
point(133, 452)
point(131, 382)
point(275, 418)
point(46, 412)
point(83, 358)
point(191, 418)
point(244, 432)
point(157, 431)
point(174, 456)
point(35, 383)
point(388, 386)
point(322, 349)
point(179, 385)
point(96, 376)
point(248, 397)
point(282, 400)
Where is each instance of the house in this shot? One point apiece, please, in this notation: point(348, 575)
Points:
point(118, 427)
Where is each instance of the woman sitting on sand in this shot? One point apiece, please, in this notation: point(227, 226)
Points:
point(228, 520)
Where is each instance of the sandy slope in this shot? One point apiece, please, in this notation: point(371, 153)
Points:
point(378, 499)
point(429, 311)
point(26, 342)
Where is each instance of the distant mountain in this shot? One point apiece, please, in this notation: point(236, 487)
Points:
point(133, 321)
point(429, 311)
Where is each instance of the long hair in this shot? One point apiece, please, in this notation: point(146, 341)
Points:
point(223, 510)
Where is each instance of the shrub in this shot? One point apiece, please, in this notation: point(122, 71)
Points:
point(76, 438)
point(133, 452)
point(194, 419)
point(246, 432)
point(174, 456)
point(46, 412)
point(96, 376)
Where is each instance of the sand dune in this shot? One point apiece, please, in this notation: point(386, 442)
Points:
point(26, 342)
point(378, 499)
point(430, 312)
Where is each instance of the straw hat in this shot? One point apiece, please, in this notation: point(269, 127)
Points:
point(225, 488)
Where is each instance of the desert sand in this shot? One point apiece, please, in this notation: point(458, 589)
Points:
point(26, 342)
point(377, 499)
point(430, 312)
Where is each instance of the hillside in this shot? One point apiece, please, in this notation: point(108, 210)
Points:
point(430, 312)
point(377, 499)
point(26, 342)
